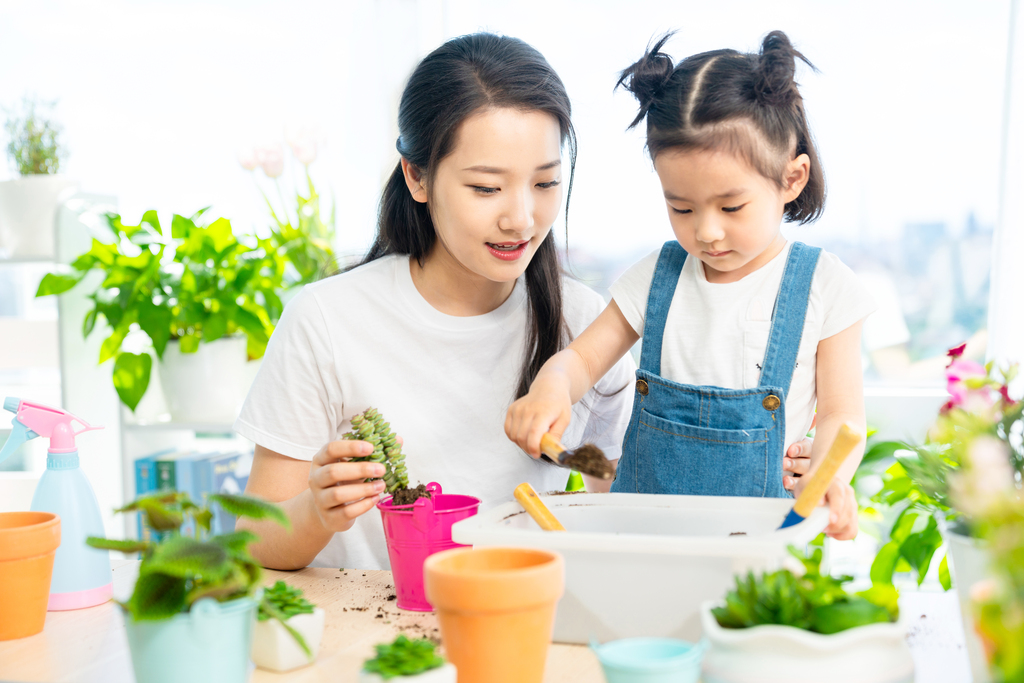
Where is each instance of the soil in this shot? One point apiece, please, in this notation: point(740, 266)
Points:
point(590, 459)
point(409, 496)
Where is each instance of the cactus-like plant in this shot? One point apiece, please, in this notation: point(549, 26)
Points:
point(370, 426)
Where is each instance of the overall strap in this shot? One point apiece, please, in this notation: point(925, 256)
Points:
point(659, 299)
point(788, 318)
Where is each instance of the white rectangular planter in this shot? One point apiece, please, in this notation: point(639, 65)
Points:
point(641, 564)
point(274, 648)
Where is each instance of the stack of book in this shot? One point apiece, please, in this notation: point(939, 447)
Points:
point(195, 473)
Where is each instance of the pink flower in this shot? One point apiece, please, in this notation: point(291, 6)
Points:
point(247, 158)
point(985, 478)
point(957, 351)
point(958, 373)
point(303, 143)
point(271, 160)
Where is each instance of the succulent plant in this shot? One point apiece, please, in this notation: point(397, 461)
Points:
point(370, 426)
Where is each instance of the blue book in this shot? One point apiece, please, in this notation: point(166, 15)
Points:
point(224, 473)
point(146, 482)
point(178, 472)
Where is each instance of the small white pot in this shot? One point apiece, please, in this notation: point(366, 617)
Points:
point(969, 561)
point(274, 648)
point(876, 653)
point(442, 674)
point(28, 207)
point(209, 385)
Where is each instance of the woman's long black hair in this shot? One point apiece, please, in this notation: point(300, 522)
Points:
point(466, 75)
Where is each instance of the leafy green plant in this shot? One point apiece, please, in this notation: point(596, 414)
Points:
point(404, 657)
point(178, 569)
point(282, 602)
point(33, 140)
point(812, 602)
point(198, 283)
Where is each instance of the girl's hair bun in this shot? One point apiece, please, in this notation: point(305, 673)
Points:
point(774, 82)
point(646, 78)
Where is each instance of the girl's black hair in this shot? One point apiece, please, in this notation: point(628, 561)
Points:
point(464, 76)
point(748, 104)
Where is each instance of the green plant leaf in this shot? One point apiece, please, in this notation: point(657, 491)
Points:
point(884, 565)
point(215, 327)
point(124, 546)
point(236, 543)
point(188, 343)
point(89, 322)
point(253, 508)
point(844, 615)
point(185, 557)
point(404, 657)
point(160, 515)
point(156, 322)
point(131, 377)
point(920, 546)
point(157, 596)
point(181, 227)
point(944, 578)
point(55, 283)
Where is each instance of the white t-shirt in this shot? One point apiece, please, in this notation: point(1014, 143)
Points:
point(367, 338)
point(717, 334)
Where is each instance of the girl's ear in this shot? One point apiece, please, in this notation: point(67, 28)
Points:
point(416, 182)
point(798, 172)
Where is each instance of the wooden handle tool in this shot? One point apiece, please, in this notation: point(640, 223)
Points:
point(846, 440)
point(588, 459)
point(532, 503)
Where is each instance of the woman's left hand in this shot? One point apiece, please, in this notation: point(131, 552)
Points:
point(842, 509)
point(796, 463)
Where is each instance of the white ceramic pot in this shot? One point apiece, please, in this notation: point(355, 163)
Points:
point(28, 207)
point(442, 674)
point(274, 648)
point(969, 563)
point(876, 653)
point(207, 386)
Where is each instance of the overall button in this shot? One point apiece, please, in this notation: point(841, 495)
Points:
point(641, 386)
point(771, 402)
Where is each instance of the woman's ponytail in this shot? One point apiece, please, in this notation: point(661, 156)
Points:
point(404, 225)
point(647, 77)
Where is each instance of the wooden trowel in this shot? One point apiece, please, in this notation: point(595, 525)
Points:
point(588, 458)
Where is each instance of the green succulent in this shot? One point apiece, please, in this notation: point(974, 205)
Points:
point(813, 602)
point(282, 602)
point(404, 657)
point(370, 426)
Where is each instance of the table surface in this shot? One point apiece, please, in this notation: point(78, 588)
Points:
point(89, 645)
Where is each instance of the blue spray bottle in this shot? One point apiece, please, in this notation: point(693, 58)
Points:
point(81, 575)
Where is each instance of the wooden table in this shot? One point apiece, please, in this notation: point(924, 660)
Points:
point(89, 645)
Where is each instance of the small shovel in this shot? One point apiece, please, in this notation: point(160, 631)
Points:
point(588, 458)
point(532, 503)
point(843, 445)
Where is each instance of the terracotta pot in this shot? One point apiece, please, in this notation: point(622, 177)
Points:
point(28, 544)
point(496, 608)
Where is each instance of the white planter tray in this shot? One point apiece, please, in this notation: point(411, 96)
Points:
point(876, 653)
point(642, 564)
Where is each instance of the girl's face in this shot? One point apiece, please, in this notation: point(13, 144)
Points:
point(724, 212)
point(495, 197)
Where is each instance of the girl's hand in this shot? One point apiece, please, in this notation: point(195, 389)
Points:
point(340, 493)
point(796, 463)
point(842, 503)
point(544, 409)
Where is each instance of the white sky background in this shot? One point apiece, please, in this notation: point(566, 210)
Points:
point(157, 97)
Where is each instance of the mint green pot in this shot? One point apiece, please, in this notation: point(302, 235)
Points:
point(209, 644)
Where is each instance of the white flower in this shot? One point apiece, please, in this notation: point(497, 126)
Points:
point(247, 158)
point(271, 160)
point(303, 141)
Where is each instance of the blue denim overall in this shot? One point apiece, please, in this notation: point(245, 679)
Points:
point(704, 440)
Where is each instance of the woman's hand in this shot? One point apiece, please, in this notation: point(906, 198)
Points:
point(843, 508)
point(796, 463)
point(546, 408)
point(339, 491)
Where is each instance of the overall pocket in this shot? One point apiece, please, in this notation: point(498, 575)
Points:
point(683, 459)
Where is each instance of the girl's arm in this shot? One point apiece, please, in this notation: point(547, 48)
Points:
point(319, 497)
point(566, 377)
point(840, 390)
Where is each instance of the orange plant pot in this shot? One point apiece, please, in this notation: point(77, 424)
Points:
point(28, 543)
point(496, 607)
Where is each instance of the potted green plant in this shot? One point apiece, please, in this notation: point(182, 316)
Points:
point(206, 299)
point(29, 202)
point(288, 629)
point(190, 616)
point(793, 627)
point(407, 661)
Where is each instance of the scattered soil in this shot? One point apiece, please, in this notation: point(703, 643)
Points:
point(409, 496)
point(738, 533)
point(589, 459)
point(563, 493)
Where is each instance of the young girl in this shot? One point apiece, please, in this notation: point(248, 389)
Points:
point(743, 331)
point(448, 319)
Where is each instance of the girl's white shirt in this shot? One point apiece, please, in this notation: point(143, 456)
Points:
point(717, 334)
point(367, 338)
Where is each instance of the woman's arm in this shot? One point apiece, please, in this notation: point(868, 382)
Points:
point(320, 498)
point(839, 386)
point(566, 377)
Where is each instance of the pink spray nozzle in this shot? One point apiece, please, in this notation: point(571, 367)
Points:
point(53, 423)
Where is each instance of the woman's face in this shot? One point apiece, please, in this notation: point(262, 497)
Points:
point(495, 197)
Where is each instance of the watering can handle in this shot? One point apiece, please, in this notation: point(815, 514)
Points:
point(423, 517)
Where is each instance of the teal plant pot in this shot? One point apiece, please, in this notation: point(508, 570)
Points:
point(650, 660)
point(209, 644)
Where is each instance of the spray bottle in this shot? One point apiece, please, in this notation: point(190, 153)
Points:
point(81, 575)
